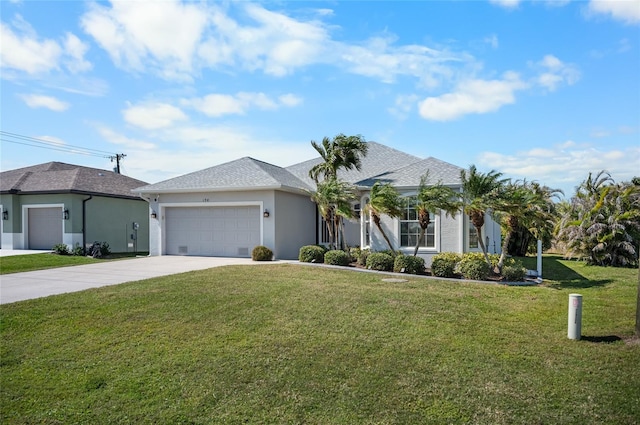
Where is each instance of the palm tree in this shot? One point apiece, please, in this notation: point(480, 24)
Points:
point(524, 205)
point(384, 199)
point(340, 152)
point(602, 222)
point(333, 198)
point(431, 199)
point(479, 195)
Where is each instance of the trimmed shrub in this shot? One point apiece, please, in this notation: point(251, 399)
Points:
point(362, 257)
point(354, 254)
point(473, 266)
point(444, 264)
point(311, 254)
point(61, 249)
point(380, 261)
point(392, 253)
point(105, 249)
point(408, 264)
point(78, 251)
point(514, 272)
point(337, 257)
point(261, 253)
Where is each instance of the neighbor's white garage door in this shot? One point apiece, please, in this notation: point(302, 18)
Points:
point(45, 227)
point(212, 231)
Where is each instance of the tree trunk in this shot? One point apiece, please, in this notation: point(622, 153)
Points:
point(477, 219)
point(512, 225)
point(423, 220)
point(376, 220)
point(420, 237)
point(503, 254)
point(482, 245)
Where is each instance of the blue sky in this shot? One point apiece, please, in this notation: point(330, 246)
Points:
point(545, 90)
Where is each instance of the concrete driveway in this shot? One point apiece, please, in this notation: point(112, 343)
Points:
point(24, 286)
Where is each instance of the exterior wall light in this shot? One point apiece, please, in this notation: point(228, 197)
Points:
point(65, 214)
point(5, 215)
point(266, 214)
point(153, 214)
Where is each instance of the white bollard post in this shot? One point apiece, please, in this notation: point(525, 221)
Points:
point(575, 316)
point(539, 262)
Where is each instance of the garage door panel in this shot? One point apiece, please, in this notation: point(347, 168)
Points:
point(45, 227)
point(214, 231)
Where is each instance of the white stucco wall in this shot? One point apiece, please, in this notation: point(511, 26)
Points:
point(294, 216)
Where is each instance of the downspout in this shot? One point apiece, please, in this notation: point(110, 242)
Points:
point(317, 225)
point(84, 221)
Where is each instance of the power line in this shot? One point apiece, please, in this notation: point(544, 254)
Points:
point(20, 139)
point(47, 144)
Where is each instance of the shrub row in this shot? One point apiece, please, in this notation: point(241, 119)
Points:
point(472, 265)
point(381, 261)
point(97, 250)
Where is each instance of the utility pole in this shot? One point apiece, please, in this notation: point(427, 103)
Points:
point(117, 157)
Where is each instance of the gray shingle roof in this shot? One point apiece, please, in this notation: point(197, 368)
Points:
point(58, 177)
point(241, 174)
point(410, 175)
point(379, 159)
point(381, 163)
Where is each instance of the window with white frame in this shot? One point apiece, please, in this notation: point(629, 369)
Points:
point(473, 237)
point(410, 227)
point(366, 224)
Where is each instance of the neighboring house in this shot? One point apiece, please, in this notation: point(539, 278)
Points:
point(228, 209)
point(55, 203)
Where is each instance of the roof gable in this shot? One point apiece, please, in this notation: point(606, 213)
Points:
point(409, 176)
point(58, 177)
point(379, 159)
point(241, 174)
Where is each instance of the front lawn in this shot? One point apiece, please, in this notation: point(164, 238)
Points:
point(31, 262)
point(300, 344)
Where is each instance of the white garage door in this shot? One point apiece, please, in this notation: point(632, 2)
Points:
point(45, 227)
point(212, 231)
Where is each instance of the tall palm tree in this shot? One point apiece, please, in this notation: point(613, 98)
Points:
point(340, 152)
point(333, 198)
point(431, 199)
point(527, 205)
point(479, 194)
point(384, 199)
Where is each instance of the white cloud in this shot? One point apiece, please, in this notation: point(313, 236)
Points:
point(565, 165)
point(403, 106)
point(118, 139)
point(290, 100)
point(216, 104)
point(76, 50)
point(508, 4)
point(135, 36)
point(162, 35)
point(472, 97)
point(152, 115)
point(553, 73)
point(627, 11)
point(40, 101)
point(23, 51)
point(27, 53)
point(380, 58)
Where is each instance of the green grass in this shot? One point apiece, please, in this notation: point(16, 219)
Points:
point(31, 262)
point(299, 344)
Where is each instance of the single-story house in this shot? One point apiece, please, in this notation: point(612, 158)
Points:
point(53, 203)
point(228, 209)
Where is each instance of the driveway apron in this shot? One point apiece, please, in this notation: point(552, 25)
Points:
point(23, 286)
